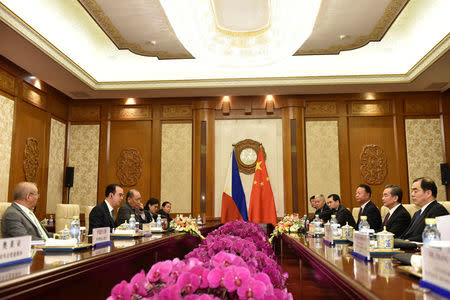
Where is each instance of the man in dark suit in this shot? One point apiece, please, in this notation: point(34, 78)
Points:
point(363, 194)
point(343, 215)
point(398, 218)
point(102, 215)
point(151, 207)
point(133, 205)
point(323, 210)
point(19, 219)
point(424, 193)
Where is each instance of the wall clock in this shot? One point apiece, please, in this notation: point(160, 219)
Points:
point(246, 152)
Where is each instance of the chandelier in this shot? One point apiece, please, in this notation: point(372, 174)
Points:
point(242, 32)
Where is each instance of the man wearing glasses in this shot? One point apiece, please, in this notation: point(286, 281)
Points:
point(103, 215)
point(19, 219)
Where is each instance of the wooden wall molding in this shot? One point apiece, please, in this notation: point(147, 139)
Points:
point(374, 165)
point(321, 108)
point(370, 108)
point(170, 112)
point(7, 82)
point(34, 96)
point(129, 167)
point(135, 112)
point(85, 113)
point(31, 159)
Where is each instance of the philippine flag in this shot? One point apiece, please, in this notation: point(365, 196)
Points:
point(233, 197)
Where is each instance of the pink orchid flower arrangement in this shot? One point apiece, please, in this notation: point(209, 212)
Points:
point(229, 265)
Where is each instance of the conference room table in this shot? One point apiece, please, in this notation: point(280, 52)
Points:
point(337, 273)
point(91, 274)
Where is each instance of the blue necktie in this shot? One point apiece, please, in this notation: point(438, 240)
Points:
point(415, 218)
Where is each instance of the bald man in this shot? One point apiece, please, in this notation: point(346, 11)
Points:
point(133, 205)
point(19, 219)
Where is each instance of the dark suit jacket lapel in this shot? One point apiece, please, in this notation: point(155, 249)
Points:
point(392, 217)
point(424, 213)
point(108, 213)
point(27, 218)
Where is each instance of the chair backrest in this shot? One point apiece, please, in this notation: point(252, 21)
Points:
point(446, 204)
point(64, 215)
point(383, 211)
point(87, 211)
point(411, 208)
point(3, 207)
point(355, 213)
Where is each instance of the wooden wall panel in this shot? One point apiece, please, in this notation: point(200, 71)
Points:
point(85, 113)
point(377, 131)
point(7, 82)
point(34, 96)
point(131, 135)
point(31, 122)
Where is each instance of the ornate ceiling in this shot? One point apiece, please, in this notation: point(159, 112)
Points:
point(116, 48)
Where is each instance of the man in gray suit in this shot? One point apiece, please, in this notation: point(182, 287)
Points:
point(19, 219)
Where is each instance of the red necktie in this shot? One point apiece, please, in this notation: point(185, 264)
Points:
point(387, 218)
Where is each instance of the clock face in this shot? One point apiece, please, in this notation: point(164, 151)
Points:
point(248, 156)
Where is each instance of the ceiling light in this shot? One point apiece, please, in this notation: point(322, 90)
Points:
point(238, 33)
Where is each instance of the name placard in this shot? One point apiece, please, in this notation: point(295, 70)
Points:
point(436, 268)
point(100, 235)
point(15, 250)
point(361, 245)
point(328, 238)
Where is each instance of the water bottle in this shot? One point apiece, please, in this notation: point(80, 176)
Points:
point(132, 222)
point(430, 233)
point(75, 228)
point(199, 220)
point(334, 225)
point(50, 221)
point(364, 226)
point(159, 222)
point(317, 224)
point(304, 220)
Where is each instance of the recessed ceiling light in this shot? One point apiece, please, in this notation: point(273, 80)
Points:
point(343, 36)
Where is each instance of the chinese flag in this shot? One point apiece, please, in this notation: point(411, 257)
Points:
point(262, 204)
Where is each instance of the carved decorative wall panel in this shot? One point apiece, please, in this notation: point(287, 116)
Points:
point(129, 167)
point(31, 160)
point(419, 106)
point(177, 112)
point(85, 113)
point(143, 112)
point(374, 165)
point(321, 108)
point(370, 108)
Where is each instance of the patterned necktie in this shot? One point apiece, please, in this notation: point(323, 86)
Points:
point(387, 218)
point(359, 214)
point(112, 215)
